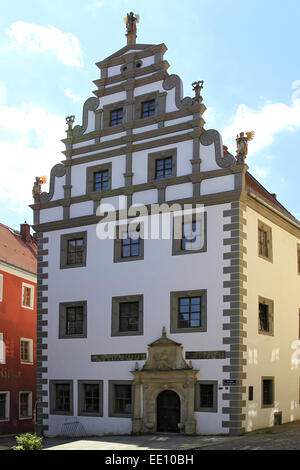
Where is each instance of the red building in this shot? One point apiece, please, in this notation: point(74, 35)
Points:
point(18, 267)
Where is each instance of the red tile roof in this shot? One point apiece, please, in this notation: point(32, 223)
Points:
point(256, 188)
point(15, 251)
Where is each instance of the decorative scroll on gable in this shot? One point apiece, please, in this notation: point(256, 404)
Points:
point(57, 171)
point(212, 136)
point(173, 81)
point(165, 354)
point(91, 104)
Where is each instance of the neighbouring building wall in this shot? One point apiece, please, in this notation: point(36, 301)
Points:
point(275, 355)
point(17, 323)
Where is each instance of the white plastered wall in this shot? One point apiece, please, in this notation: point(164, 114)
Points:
point(101, 280)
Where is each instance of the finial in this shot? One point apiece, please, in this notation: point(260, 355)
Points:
point(242, 146)
point(70, 121)
point(131, 19)
point(136, 366)
point(197, 87)
point(164, 332)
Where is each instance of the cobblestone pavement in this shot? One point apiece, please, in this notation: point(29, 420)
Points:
point(284, 437)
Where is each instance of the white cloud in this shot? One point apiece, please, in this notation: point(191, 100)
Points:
point(73, 96)
point(40, 39)
point(267, 121)
point(34, 149)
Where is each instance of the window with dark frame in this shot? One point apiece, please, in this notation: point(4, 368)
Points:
point(264, 323)
point(25, 357)
point(74, 320)
point(298, 259)
point(250, 393)
point(206, 395)
point(263, 243)
point(116, 117)
point(75, 251)
point(163, 167)
point(24, 405)
point(3, 405)
point(122, 398)
point(189, 312)
point(101, 181)
point(148, 109)
point(130, 244)
point(268, 392)
point(191, 236)
point(129, 316)
point(62, 397)
point(91, 398)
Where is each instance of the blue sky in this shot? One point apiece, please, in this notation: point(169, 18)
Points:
point(246, 51)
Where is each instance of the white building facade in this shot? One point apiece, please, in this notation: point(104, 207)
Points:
point(194, 335)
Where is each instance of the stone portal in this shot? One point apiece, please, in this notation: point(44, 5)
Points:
point(164, 371)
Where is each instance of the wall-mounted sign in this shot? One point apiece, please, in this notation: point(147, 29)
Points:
point(229, 382)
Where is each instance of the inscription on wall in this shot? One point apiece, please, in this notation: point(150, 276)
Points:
point(118, 357)
point(205, 355)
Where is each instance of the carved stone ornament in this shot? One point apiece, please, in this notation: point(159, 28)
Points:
point(242, 146)
point(165, 354)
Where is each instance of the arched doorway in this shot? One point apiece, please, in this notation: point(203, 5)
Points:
point(168, 411)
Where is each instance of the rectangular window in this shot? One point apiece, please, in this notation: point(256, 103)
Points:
point(148, 109)
point(264, 317)
point(4, 406)
point(26, 351)
point(75, 251)
point(298, 258)
point(262, 243)
point(61, 397)
point(163, 168)
point(90, 397)
point(265, 241)
point(129, 316)
point(191, 236)
point(130, 244)
point(27, 296)
point(116, 117)
point(206, 396)
point(122, 402)
point(267, 392)
point(189, 312)
point(74, 320)
point(25, 405)
point(101, 180)
point(250, 393)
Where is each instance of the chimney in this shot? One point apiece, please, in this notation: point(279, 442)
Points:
point(25, 232)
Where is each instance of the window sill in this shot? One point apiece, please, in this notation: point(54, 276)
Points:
point(24, 419)
point(188, 330)
point(27, 363)
point(28, 308)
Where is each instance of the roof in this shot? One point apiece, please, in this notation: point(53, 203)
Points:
point(253, 186)
point(15, 251)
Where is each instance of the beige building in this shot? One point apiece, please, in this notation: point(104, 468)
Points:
point(197, 332)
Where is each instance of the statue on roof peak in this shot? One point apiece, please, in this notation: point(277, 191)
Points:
point(131, 19)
